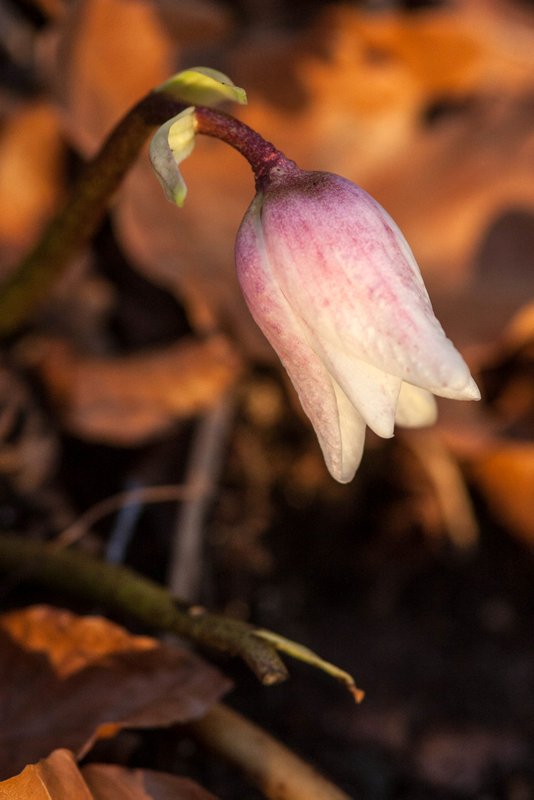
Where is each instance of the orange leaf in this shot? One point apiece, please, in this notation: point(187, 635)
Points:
point(111, 52)
point(58, 778)
point(68, 680)
point(55, 778)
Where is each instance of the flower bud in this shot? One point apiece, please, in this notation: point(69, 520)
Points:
point(335, 288)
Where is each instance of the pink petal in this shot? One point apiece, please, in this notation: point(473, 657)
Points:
point(350, 275)
point(339, 427)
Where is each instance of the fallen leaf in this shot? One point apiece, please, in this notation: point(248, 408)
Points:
point(125, 400)
point(67, 681)
point(58, 778)
point(55, 778)
point(111, 53)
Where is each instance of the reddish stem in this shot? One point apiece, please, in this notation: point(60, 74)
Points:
point(261, 155)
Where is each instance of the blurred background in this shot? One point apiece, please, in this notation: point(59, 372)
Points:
point(143, 368)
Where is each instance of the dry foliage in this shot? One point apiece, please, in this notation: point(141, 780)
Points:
point(115, 51)
point(58, 778)
point(68, 681)
point(126, 400)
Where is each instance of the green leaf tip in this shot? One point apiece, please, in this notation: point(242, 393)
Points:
point(203, 86)
point(175, 139)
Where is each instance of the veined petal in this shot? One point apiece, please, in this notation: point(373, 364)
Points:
point(170, 145)
point(352, 278)
point(416, 407)
point(339, 426)
point(203, 86)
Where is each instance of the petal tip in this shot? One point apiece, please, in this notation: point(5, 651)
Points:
point(472, 392)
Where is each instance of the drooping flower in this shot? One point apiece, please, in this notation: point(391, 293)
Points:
point(331, 282)
point(335, 288)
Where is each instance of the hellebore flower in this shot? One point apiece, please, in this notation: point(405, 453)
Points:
point(335, 288)
point(331, 282)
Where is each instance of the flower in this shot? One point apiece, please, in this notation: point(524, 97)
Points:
point(335, 288)
point(330, 280)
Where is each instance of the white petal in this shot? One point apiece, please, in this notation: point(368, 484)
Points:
point(416, 407)
point(352, 432)
point(339, 427)
point(469, 391)
point(371, 390)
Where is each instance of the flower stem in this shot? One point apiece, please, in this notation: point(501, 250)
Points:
point(122, 590)
point(261, 155)
point(72, 227)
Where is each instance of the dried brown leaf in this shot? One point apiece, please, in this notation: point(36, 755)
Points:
point(126, 400)
point(55, 778)
point(58, 778)
point(68, 680)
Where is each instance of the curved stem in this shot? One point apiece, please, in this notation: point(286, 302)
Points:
point(261, 155)
point(72, 227)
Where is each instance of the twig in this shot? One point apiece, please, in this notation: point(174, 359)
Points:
point(121, 589)
point(142, 494)
point(307, 656)
point(278, 772)
point(203, 471)
point(123, 530)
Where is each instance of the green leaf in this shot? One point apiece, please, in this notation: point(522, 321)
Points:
point(203, 86)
